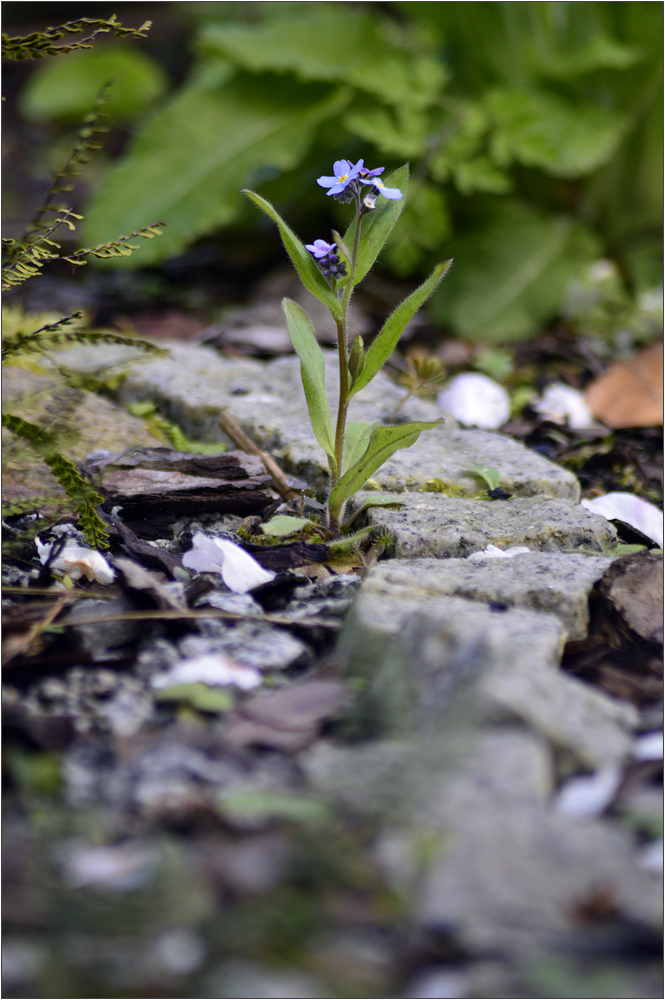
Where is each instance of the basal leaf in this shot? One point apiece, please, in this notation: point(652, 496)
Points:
point(385, 342)
point(193, 156)
point(356, 439)
point(312, 372)
point(383, 442)
point(308, 272)
point(282, 524)
point(377, 226)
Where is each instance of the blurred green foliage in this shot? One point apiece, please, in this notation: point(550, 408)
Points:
point(534, 132)
point(66, 89)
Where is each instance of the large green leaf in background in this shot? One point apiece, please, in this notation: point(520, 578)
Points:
point(188, 165)
point(511, 275)
point(65, 89)
point(542, 130)
point(339, 45)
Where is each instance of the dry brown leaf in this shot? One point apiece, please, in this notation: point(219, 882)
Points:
point(630, 393)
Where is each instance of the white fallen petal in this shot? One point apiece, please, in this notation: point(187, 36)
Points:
point(564, 405)
point(589, 795)
point(492, 552)
point(239, 571)
point(212, 669)
point(648, 747)
point(476, 401)
point(626, 507)
point(76, 562)
point(651, 857)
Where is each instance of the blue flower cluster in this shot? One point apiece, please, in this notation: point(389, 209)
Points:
point(349, 181)
point(327, 259)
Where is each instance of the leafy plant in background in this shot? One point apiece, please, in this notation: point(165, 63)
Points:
point(24, 258)
point(331, 271)
point(535, 129)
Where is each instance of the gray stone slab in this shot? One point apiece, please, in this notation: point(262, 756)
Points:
point(429, 524)
point(267, 399)
point(512, 874)
point(423, 661)
point(554, 582)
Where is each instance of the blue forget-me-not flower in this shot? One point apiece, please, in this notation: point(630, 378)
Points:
point(349, 180)
point(327, 258)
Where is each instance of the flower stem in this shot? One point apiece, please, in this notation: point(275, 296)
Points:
point(343, 350)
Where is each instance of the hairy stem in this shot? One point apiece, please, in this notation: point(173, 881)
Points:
point(343, 351)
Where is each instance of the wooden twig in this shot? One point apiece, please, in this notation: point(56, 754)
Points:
point(21, 644)
point(245, 443)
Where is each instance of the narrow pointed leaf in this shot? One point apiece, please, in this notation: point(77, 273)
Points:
point(385, 342)
point(382, 444)
point(308, 272)
point(378, 224)
point(312, 373)
point(356, 439)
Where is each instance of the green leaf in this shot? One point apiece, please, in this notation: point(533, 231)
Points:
point(512, 273)
point(65, 89)
point(333, 45)
point(356, 439)
point(486, 472)
point(193, 156)
point(199, 695)
point(252, 804)
point(395, 132)
point(349, 540)
point(542, 130)
point(377, 226)
point(385, 342)
point(312, 373)
point(376, 501)
point(308, 272)
point(383, 442)
point(423, 227)
point(282, 524)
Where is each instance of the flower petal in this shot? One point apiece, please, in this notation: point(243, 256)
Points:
point(476, 401)
point(76, 561)
point(213, 669)
point(239, 571)
point(628, 508)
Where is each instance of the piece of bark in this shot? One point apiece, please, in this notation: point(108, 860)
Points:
point(154, 482)
point(633, 585)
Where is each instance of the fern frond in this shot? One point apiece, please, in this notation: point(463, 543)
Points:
point(24, 260)
point(80, 155)
point(83, 496)
point(53, 335)
point(121, 247)
point(42, 43)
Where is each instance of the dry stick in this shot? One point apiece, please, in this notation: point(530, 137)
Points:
point(22, 643)
point(245, 443)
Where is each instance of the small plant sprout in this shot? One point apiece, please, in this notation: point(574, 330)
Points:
point(331, 271)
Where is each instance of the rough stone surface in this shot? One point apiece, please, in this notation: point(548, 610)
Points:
point(513, 872)
point(268, 401)
point(98, 423)
point(428, 524)
point(508, 872)
point(553, 582)
point(424, 659)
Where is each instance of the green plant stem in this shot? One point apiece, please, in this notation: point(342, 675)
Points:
point(343, 350)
